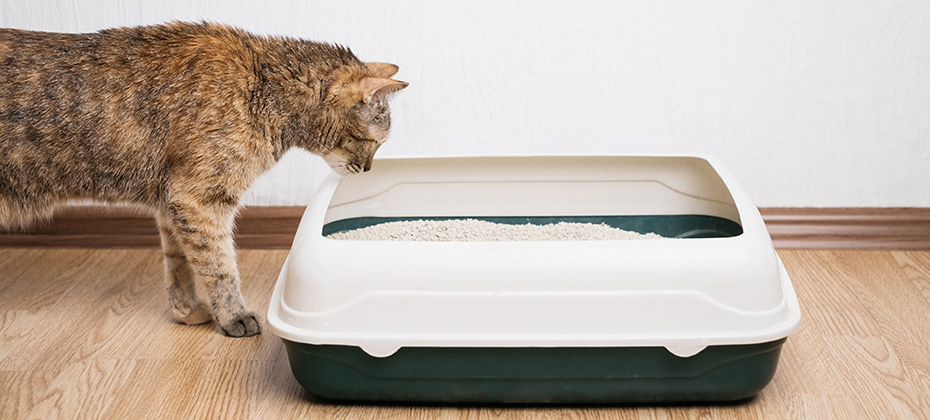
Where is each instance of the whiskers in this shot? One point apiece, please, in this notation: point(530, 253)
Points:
point(340, 165)
point(342, 170)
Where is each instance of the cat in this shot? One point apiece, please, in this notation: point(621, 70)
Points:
point(180, 118)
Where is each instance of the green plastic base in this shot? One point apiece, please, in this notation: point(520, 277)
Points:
point(534, 375)
point(560, 375)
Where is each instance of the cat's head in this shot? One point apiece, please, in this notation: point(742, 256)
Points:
point(358, 118)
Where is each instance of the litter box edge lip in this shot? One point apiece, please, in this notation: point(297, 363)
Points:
point(385, 345)
point(703, 156)
point(747, 214)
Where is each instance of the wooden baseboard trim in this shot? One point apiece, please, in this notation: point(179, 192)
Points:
point(274, 227)
point(849, 228)
point(95, 226)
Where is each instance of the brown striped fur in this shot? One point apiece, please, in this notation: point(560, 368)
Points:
point(180, 118)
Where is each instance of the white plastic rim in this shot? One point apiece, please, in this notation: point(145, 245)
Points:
point(681, 294)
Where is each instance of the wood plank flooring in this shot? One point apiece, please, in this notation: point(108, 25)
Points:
point(86, 334)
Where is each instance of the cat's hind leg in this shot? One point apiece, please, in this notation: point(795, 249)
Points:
point(186, 307)
point(204, 233)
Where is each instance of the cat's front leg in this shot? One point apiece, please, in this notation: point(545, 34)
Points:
point(203, 232)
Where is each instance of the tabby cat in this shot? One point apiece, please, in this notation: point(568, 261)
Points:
point(180, 118)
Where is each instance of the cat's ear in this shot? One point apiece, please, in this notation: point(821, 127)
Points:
point(384, 70)
point(377, 87)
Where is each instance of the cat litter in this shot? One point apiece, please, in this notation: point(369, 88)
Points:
point(480, 230)
point(701, 317)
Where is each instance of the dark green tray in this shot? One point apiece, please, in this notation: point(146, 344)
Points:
point(565, 375)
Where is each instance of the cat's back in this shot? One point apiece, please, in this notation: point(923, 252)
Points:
point(94, 114)
point(152, 49)
point(144, 73)
point(25, 56)
point(21, 44)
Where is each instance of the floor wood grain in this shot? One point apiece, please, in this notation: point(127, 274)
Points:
point(85, 333)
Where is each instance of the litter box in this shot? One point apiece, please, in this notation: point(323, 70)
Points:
point(698, 316)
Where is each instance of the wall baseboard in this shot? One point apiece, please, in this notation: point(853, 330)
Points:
point(273, 227)
point(98, 226)
point(849, 228)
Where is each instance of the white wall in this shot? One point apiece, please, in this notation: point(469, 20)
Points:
point(810, 103)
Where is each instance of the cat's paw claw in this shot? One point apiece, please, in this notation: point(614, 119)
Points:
point(245, 325)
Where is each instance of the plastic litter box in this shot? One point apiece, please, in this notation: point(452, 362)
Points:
point(699, 316)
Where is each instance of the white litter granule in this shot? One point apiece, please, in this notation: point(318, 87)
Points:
point(479, 230)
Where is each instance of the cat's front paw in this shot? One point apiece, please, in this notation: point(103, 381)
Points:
point(246, 324)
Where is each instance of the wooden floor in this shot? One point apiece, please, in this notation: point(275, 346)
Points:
point(86, 334)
